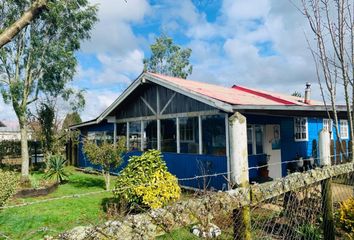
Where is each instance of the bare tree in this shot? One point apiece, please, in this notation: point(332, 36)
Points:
point(9, 33)
point(331, 22)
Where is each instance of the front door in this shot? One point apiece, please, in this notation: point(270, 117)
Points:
point(272, 148)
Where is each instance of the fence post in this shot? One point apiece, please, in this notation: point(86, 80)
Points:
point(239, 173)
point(326, 187)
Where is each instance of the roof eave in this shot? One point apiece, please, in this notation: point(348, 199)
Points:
point(319, 108)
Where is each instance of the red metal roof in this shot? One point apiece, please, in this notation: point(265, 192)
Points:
point(236, 95)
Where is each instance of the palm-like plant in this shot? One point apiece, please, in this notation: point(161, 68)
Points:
point(56, 168)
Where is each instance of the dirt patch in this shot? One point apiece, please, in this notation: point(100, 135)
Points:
point(32, 192)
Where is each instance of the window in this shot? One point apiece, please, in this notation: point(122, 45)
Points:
point(300, 129)
point(344, 133)
point(150, 135)
point(121, 130)
point(135, 136)
point(255, 139)
point(99, 137)
point(214, 136)
point(259, 139)
point(250, 139)
point(189, 134)
point(328, 125)
point(168, 135)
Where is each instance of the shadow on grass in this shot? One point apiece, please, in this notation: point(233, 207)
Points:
point(87, 182)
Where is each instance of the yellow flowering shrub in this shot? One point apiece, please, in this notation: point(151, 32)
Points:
point(146, 181)
point(162, 189)
point(346, 215)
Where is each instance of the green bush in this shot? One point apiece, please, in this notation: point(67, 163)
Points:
point(145, 181)
point(107, 155)
point(8, 185)
point(56, 168)
point(308, 231)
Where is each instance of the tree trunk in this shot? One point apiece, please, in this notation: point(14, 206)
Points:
point(22, 22)
point(24, 152)
point(108, 181)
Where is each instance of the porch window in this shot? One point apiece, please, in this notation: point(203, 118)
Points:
point(300, 129)
point(214, 136)
point(188, 132)
point(328, 125)
point(168, 135)
point(135, 136)
point(121, 130)
point(255, 135)
point(344, 133)
point(100, 136)
point(150, 135)
point(250, 139)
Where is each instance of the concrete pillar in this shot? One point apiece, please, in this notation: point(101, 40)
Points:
point(238, 149)
point(324, 144)
point(326, 186)
point(239, 173)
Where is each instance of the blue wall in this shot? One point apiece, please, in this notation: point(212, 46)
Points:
point(189, 165)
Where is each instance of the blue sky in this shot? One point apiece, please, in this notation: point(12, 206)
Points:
point(257, 43)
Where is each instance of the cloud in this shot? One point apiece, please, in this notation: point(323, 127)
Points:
point(96, 102)
point(113, 33)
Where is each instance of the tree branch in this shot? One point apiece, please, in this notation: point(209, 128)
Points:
point(22, 22)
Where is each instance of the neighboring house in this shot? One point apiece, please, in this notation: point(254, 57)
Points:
point(188, 122)
point(13, 133)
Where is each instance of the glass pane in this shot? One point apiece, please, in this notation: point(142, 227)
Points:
point(189, 134)
point(213, 132)
point(168, 135)
point(108, 137)
point(259, 139)
point(150, 135)
point(135, 136)
point(121, 130)
point(249, 140)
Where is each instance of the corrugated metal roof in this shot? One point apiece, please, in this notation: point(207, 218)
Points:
point(236, 95)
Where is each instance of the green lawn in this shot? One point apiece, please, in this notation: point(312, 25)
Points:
point(53, 217)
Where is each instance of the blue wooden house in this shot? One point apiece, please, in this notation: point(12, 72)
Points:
point(188, 122)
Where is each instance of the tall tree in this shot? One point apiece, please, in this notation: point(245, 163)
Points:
point(11, 30)
point(332, 25)
point(168, 58)
point(40, 60)
point(71, 119)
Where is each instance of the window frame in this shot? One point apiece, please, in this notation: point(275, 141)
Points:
point(330, 122)
point(253, 127)
point(341, 121)
point(301, 132)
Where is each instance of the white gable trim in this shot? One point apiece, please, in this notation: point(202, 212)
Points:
point(145, 76)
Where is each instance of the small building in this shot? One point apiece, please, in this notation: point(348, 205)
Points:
point(189, 122)
point(8, 133)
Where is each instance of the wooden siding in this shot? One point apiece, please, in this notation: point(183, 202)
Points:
point(134, 105)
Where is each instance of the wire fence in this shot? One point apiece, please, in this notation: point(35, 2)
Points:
point(303, 205)
point(308, 205)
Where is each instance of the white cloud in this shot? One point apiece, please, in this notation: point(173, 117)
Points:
point(113, 33)
point(96, 102)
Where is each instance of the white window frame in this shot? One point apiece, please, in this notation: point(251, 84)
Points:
point(301, 132)
point(253, 138)
point(328, 124)
point(342, 125)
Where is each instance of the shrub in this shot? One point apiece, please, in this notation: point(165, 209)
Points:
point(346, 215)
point(8, 185)
point(145, 181)
point(56, 168)
point(107, 155)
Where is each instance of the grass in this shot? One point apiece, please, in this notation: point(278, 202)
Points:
point(50, 218)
